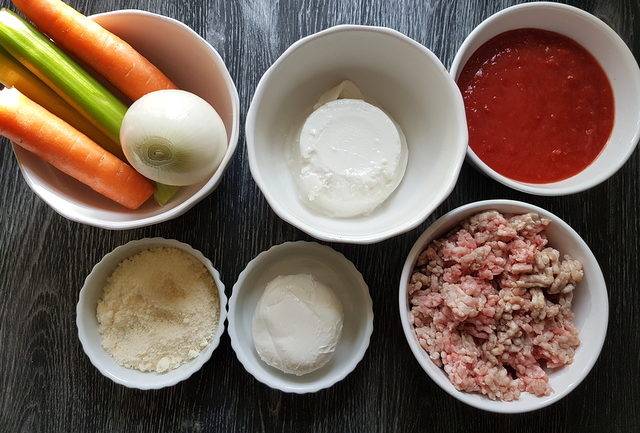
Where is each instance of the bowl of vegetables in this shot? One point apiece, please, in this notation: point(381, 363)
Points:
point(154, 74)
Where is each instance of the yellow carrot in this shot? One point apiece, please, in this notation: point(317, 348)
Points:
point(13, 74)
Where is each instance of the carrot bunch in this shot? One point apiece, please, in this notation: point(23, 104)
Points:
point(62, 113)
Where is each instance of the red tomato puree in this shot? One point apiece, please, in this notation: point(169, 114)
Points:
point(539, 106)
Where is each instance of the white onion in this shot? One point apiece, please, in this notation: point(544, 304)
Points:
point(173, 137)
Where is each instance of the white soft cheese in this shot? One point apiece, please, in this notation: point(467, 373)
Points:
point(297, 324)
point(352, 154)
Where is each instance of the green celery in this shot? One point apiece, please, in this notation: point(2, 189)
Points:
point(63, 75)
point(164, 193)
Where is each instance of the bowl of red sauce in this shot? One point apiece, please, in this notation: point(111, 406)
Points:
point(552, 98)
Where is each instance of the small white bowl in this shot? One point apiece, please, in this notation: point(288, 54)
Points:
point(614, 57)
point(590, 305)
point(330, 268)
point(193, 65)
point(87, 322)
point(405, 79)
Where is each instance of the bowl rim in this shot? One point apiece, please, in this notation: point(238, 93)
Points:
point(194, 364)
point(427, 365)
point(280, 210)
point(69, 213)
point(548, 189)
point(356, 357)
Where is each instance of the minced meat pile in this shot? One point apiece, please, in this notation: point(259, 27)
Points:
point(491, 304)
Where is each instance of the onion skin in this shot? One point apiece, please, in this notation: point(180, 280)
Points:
point(173, 137)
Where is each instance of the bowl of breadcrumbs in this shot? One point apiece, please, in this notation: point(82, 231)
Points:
point(151, 313)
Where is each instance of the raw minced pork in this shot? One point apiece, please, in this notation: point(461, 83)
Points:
point(491, 304)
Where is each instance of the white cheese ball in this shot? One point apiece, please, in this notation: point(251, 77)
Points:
point(352, 157)
point(297, 324)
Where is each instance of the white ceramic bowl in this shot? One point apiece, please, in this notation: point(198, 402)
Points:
point(616, 60)
point(590, 305)
point(87, 322)
point(403, 78)
point(193, 65)
point(330, 268)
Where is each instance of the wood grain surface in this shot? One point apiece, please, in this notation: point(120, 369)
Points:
point(47, 384)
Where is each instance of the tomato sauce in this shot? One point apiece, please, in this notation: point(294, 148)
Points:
point(539, 106)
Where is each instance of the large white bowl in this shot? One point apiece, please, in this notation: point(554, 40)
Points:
point(590, 305)
point(617, 62)
point(330, 268)
point(193, 65)
point(403, 78)
point(87, 322)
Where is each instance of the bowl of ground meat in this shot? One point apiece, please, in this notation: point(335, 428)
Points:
point(503, 305)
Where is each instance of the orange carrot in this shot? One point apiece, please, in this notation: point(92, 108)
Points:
point(106, 53)
point(32, 127)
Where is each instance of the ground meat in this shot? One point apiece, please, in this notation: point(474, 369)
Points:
point(491, 305)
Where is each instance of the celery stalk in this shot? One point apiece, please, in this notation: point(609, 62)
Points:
point(164, 193)
point(63, 75)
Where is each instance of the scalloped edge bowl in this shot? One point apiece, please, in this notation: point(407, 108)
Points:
point(411, 85)
point(331, 268)
point(87, 323)
point(610, 51)
point(590, 305)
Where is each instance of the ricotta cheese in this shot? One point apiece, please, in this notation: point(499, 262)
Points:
point(352, 155)
point(297, 324)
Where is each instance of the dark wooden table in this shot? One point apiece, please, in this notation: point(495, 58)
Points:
point(48, 385)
